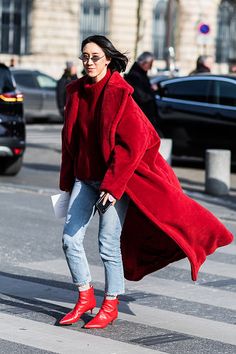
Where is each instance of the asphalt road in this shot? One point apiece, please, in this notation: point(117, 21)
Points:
point(164, 313)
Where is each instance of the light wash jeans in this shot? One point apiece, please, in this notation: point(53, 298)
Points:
point(80, 212)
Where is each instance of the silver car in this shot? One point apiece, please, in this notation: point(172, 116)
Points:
point(39, 90)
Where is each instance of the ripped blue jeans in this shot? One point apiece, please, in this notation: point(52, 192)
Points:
point(80, 212)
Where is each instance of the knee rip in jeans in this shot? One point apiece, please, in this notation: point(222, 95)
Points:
point(65, 244)
point(69, 242)
point(68, 219)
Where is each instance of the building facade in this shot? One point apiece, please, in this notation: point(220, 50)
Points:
point(43, 34)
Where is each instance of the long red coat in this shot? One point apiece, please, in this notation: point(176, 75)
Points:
point(163, 224)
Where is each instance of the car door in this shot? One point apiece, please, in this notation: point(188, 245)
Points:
point(48, 87)
point(225, 114)
point(185, 114)
point(27, 84)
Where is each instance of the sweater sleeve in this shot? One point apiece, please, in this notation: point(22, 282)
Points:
point(131, 140)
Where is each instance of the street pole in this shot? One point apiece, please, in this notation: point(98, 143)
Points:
point(169, 30)
point(168, 24)
point(170, 53)
point(139, 10)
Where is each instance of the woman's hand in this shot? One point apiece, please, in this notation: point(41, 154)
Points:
point(107, 196)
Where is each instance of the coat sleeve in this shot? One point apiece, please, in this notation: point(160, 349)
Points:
point(131, 141)
point(69, 144)
point(67, 167)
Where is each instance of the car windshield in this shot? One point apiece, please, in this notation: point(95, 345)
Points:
point(6, 82)
point(46, 82)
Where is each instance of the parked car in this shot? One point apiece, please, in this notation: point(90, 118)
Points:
point(12, 124)
point(39, 90)
point(198, 113)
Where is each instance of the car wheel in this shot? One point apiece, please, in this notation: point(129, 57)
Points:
point(11, 166)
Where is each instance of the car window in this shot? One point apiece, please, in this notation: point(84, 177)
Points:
point(194, 90)
point(46, 82)
point(25, 79)
point(225, 93)
point(6, 82)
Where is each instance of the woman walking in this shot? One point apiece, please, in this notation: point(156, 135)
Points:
point(110, 150)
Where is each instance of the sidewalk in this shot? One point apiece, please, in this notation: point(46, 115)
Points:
point(224, 207)
point(196, 178)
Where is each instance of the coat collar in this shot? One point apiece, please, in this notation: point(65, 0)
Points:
point(115, 80)
point(114, 101)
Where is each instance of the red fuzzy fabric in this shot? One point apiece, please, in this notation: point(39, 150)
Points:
point(162, 225)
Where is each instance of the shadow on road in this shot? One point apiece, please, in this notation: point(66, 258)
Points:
point(45, 305)
point(41, 166)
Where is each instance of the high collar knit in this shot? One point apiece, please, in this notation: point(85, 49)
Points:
point(94, 88)
point(90, 165)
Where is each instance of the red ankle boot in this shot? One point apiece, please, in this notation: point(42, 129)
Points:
point(107, 314)
point(86, 302)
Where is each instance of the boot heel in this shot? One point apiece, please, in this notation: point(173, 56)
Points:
point(113, 321)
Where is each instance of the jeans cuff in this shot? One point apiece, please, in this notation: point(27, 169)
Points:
point(115, 293)
point(83, 282)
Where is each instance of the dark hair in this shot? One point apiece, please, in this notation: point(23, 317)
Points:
point(145, 57)
point(201, 60)
point(118, 62)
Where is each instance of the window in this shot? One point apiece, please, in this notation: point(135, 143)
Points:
point(226, 40)
point(25, 79)
point(164, 26)
point(14, 26)
point(93, 18)
point(46, 82)
point(225, 93)
point(197, 90)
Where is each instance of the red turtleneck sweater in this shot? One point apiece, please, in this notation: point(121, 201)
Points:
point(89, 161)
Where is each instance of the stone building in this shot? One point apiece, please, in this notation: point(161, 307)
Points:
point(45, 33)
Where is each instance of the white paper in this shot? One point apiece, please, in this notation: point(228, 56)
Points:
point(60, 204)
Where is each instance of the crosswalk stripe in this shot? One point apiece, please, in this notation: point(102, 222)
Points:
point(172, 321)
point(211, 267)
point(61, 340)
point(38, 139)
point(41, 138)
point(186, 324)
point(166, 287)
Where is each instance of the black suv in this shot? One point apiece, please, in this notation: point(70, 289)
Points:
point(12, 124)
point(198, 113)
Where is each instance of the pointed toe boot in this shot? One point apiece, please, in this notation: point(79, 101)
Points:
point(86, 302)
point(107, 314)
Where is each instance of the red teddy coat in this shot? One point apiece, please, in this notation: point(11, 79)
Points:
point(162, 224)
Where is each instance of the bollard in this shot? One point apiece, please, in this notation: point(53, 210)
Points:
point(166, 149)
point(217, 171)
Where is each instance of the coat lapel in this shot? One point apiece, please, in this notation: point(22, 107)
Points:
point(113, 105)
